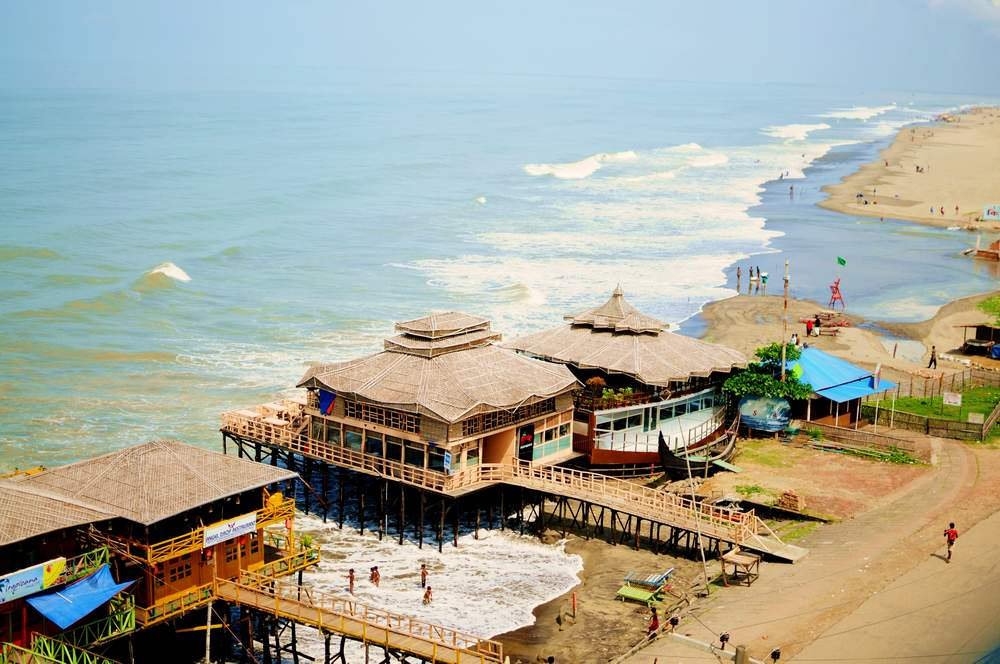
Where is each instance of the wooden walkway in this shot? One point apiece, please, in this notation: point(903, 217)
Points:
point(434, 644)
point(720, 524)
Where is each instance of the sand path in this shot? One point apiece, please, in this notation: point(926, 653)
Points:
point(791, 605)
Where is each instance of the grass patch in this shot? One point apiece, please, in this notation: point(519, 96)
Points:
point(797, 531)
point(764, 453)
point(750, 490)
point(974, 400)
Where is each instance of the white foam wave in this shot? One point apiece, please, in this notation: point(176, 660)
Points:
point(863, 113)
point(709, 160)
point(584, 168)
point(481, 200)
point(793, 132)
point(486, 586)
point(170, 270)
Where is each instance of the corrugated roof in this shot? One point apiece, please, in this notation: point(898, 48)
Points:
point(27, 511)
point(617, 338)
point(822, 370)
point(450, 377)
point(153, 481)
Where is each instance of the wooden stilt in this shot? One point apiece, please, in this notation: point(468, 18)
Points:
point(420, 519)
point(361, 505)
point(381, 510)
point(457, 514)
point(402, 512)
point(440, 532)
point(614, 517)
point(340, 499)
point(520, 511)
point(478, 513)
point(325, 469)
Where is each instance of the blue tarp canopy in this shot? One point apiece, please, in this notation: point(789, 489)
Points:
point(834, 378)
point(855, 389)
point(68, 605)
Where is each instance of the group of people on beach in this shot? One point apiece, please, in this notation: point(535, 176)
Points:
point(758, 278)
point(375, 578)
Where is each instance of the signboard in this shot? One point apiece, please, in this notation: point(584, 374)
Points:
point(991, 213)
point(952, 398)
point(977, 418)
point(30, 580)
point(447, 463)
point(763, 414)
point(227, 530)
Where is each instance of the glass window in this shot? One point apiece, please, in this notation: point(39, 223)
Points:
point(666, 412)
point(563, 429)
point(708, 401)
point(619, 425)
point(373, 443)
point(414, 454)
point(635, 420)
point(393, 448)
point(472, 457)
point(549, 434)
point(694, 405)
point(317, 429)
point(333, 433)
point(352, 439)
point(435, 459)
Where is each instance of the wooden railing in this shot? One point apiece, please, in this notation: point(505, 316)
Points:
point(331, 613)
point(174, 606)
point(284, 436)
point(720, 523)
point(194, 540)
point(47, 650)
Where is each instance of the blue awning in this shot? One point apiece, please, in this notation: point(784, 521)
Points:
point(68, 605)
point(855, 389)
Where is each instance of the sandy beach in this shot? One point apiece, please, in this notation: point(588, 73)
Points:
point(951, 164)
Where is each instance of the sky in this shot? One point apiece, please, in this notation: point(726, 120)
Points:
point(914, 45)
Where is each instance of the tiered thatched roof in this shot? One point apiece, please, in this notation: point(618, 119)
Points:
point(446, 366)
point(618, 338)
point(153, 481)
point(27, 512)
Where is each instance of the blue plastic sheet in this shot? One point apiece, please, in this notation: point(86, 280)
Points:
point(68, 605)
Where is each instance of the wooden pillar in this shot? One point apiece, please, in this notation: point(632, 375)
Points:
point(265, 637)
point(361, 504)
point(614, 517)
point(402, 512)
point(478, 513)
point(326, 647)
point(457, 509)
point(586, 519)
point(295, 645)
point(562, 516)
point(225, 448)
point(306, 467)
point(381, 509)
point(638, 528)
point(325, 469)
point(503, 514)
point(520, 511)
point(420, 519)
point(340, 498)
point(440, 532)
point(541, 514)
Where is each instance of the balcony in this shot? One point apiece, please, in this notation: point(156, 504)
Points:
point(120, 621)
point(171, 607)
point(594, 403)
point(47, 650)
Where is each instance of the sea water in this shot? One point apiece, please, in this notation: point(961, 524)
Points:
point(170, 254)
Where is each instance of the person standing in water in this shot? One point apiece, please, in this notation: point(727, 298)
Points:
point(423, 575)
point(428, 596)
point(739, 274)
point(350, 580)
point(375, 577)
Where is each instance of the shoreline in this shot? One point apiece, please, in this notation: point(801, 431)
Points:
point(957, 156)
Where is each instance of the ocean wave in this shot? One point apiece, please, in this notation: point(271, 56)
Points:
point(9, 252)
point(709, 160)
point(863, 113)
point(793, 132)
point(165, 275)
point(577, 170)
point(170, 270)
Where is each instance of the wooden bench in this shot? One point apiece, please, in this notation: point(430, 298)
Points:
point(746, 567)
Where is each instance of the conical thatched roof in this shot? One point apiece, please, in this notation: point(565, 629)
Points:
point(27, 511)
point(153, 481)
point(618, 338)
point(444, 365)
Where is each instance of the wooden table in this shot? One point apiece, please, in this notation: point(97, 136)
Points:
point(746, 567)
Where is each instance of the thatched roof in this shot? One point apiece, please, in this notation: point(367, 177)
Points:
point(27, 511)
point(153, 481)
point(617, 315)
point(617, 338)
point(454, 374)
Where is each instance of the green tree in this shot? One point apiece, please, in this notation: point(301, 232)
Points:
point(762, 378)
point(991, 307)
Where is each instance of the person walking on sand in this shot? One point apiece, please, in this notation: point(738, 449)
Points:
point(739, 274)
point(375, 577)
point(350, 580)
point(654, 624)
point(950, 536)
point(933, 363)
point(423, 575)
point(809, 327)
point(428, 596)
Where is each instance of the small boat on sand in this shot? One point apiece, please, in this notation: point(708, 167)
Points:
point(700, 461)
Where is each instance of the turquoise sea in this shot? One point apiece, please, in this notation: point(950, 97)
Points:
point(168, 254)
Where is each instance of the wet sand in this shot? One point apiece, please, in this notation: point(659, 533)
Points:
point(959, 158)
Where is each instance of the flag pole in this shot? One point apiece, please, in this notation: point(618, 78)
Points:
point(784, 323)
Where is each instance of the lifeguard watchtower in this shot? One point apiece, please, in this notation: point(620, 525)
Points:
point(836, 296)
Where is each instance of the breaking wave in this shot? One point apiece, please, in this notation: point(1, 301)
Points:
point(863, 113)
point(577, 170)
point(793, 132)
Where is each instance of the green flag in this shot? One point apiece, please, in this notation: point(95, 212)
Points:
point(841, 260)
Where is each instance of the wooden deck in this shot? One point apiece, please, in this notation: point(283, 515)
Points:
point(328, 613)
point(724, 525)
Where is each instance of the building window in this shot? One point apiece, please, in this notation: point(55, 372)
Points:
point(472, 457)
point(387, 417)
point(373, 443)
point(414, 455)
point(230, 551)
point(352, 439)
point(498, 419)
point(333, 433)
point(317, 430)
point(435, 459)
point(393, 448)
point(179, 571)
